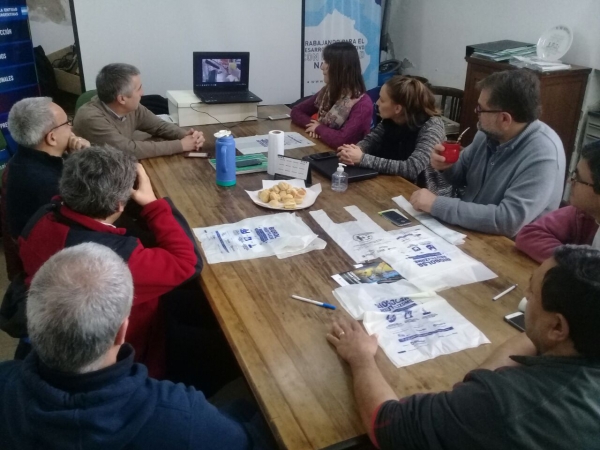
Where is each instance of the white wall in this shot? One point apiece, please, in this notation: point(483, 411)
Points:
point(433, 34)
point(159, 38)
point(50, 24)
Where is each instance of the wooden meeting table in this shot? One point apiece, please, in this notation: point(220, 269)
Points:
point(302, 386)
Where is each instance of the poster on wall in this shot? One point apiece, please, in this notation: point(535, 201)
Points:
point(18, 78)
point(328, 21)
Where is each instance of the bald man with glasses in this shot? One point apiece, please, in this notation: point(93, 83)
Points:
point(513, 171)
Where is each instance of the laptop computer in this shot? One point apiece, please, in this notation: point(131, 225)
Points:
point(327, 167)
point(222, 77)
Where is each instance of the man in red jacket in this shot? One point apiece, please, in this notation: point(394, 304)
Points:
point(94, 188)
point(574, 224)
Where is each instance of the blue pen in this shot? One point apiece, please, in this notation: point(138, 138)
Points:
point(314, 302)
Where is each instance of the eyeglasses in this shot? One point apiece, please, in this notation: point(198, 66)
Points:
point(68, 122)
point(575, 179)
point(479, 111)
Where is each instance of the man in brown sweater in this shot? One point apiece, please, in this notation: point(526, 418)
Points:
point(115, 113)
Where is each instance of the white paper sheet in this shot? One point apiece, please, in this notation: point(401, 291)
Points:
point(259, 144)
point(422, 332)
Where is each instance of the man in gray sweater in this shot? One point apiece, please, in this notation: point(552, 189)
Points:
point(512, 173)
point(113, 116)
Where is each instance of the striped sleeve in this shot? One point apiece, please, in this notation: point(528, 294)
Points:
point(431, 133)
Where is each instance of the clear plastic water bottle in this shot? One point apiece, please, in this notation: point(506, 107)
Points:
point(339, 180)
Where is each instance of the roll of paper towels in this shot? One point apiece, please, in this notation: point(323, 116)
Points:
point(276, 138)
point(523, 304)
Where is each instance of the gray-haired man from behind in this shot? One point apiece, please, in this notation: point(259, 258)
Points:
point(115, 114)
point(80, 387)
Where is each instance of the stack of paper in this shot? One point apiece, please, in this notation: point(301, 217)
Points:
point(538, 64)
point(502, 50)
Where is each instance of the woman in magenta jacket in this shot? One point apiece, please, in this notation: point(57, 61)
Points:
point(341, 112)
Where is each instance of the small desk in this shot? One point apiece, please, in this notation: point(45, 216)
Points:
point(303, 387)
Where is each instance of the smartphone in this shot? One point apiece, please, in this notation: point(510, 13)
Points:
point(279, 116)
point(247, 162)
point(324, 155)
point(517, 320)
point(196, 155)
point(394, 216)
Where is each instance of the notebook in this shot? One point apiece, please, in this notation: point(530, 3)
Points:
point(222, 77)
point(328, 166)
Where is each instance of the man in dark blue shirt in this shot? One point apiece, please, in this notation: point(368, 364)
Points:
point(538, 390)
point(43, 132)
point(79, 387)
point(30, 180)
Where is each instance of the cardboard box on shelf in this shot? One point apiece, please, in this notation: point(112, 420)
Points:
point(66, 81)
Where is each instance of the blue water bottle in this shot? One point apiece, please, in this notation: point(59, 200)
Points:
point(225, 155)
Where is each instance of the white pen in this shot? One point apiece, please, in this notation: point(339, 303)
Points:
point(503, 293)
point(314, 302)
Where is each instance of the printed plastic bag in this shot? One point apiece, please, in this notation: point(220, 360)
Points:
point(282, 234)
point(431, 263)
point(394, 297)
point(454, 237)
point(361, 239)
point(422, 332)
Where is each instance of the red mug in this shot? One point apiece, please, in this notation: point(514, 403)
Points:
point(451, 151)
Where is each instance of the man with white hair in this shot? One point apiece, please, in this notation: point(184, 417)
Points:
point(43, 132)
point(115, 114)
point(80, 387)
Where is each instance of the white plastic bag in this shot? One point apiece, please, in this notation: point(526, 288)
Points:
point(431, 263)
point(361, 239)
point(422, 332)
point(282, 234)
point(393, 297)
point(453, 237)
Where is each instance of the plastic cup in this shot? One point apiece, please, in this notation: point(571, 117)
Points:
point(451, 151)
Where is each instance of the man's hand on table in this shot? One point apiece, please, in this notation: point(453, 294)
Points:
point(352, 342)
point(422, 200)
point(193, 141)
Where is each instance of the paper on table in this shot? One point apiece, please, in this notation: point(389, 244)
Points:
point(422, 332)
point(309, 199)
point(259, 144)
point(255, 237)
point(454, 237)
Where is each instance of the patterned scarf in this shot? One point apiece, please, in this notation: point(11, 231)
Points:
point(339, 112)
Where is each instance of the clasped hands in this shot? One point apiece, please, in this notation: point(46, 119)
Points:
point(193, 140)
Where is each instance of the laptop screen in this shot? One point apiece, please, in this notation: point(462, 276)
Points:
point(221, 71)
